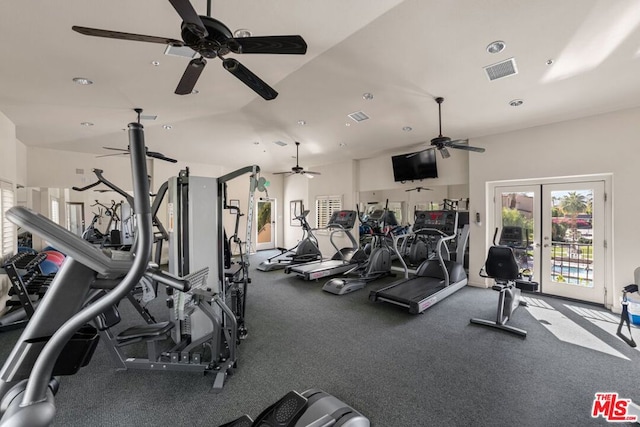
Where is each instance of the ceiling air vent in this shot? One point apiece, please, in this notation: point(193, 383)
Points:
point(358, 116)
point(501, 69)
point(280, 143)
point(148, 117)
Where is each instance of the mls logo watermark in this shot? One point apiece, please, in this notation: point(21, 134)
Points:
point(612, 408)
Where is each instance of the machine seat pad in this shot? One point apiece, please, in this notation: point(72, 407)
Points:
point(232, 271)
point(145, 332)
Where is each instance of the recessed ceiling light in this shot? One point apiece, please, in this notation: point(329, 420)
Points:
point(195, 91)
point(87, 124)
point(167, 127)
point(516, 102)
point(82, 81)
point(347, 124)
point(241, 32)
point(496, 46)
point(342, 144)
point(549, 61)
point(256, 142)
point(368, 96)
point(407, 128)
point(155, 63)
point(302, 122)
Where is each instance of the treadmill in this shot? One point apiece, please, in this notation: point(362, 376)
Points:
point(436, 278)
point(343, 260)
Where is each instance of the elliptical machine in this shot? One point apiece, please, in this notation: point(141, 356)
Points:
point(378, 264)
point(502, 266)
point(306, 250)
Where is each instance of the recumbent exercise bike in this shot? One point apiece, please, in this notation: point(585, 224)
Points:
point(502, 266)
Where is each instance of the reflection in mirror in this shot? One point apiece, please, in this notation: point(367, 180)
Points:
point(404, 202)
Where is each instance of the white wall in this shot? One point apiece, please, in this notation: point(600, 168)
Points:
point(594, 145)
point(8, 150)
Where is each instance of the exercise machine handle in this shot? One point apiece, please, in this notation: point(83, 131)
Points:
point(154, 273)
point(38, 383)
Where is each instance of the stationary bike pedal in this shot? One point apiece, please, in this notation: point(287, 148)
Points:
point(285, 412)
point(243, 421)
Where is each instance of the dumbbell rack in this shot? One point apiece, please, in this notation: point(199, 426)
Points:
point(28, 285)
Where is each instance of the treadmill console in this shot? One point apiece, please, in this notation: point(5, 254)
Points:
point(444, 221)
point(343, 220)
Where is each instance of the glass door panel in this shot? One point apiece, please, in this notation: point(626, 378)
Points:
point(518, 215)
point(573, 240)
point(265, 224)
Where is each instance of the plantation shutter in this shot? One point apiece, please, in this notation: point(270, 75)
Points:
point(7, 228)
point(325, 207)
point(55, 210)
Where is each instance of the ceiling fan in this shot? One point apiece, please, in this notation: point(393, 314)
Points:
point(442, 143)
point(152, 154)
point(297, 169)
point(418, 189)
point(210, 38)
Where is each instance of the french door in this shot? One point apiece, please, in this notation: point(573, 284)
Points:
point(563, 235)
point(266, 225)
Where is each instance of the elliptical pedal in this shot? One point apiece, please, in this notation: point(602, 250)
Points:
point(243, 421)
point(285, 412)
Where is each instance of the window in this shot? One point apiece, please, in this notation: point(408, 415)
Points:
point(55, 210)
point(325, 207)
point(7, 228)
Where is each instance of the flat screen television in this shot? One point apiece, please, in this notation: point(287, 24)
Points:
point(415, 166)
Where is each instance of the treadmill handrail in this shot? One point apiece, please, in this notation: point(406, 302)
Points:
point(340, 228)
point(70, 244)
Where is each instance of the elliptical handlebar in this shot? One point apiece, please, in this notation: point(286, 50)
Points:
point(105, 181)
point(36, 404)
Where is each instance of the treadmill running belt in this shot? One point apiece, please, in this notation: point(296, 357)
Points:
point(413, 290)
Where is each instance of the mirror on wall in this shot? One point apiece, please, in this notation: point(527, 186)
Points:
point(403, 202)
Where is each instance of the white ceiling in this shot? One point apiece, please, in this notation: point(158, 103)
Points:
point(403, 52)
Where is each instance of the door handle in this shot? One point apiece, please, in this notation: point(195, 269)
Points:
point(546, 245)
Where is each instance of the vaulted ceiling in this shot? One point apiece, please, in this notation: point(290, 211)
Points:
point(574, 58)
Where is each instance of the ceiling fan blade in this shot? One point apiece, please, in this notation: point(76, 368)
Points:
point(283, 173)
point(160, 156)
point(115, 154)
point(291, 45)
point(468, 148)
point(410, 155)
point(461, 144)
point(250, 79)
point(189, 16)
point(116, 149)
point(190, 76)
point(444, 152)
point(125, 36)
point(312, 173)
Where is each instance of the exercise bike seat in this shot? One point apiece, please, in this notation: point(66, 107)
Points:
point(501, 264)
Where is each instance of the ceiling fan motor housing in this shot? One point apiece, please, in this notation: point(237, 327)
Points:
point(440, 141)
point(214, 43)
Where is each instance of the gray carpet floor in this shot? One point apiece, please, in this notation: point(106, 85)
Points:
point(433, 369)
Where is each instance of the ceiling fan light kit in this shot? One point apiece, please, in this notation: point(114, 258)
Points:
point(210, 38)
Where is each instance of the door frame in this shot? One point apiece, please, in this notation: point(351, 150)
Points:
point(274, 226)
point(609, 279)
